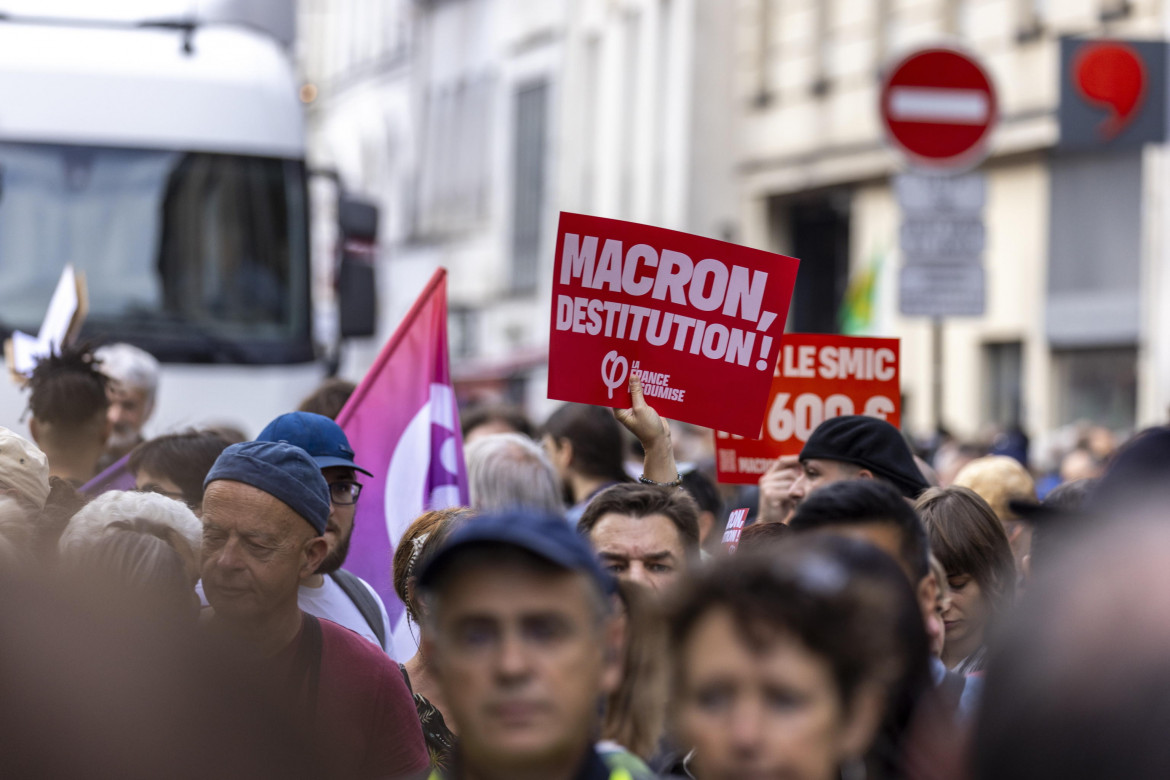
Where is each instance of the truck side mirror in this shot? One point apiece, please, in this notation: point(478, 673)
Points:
point(357, 289)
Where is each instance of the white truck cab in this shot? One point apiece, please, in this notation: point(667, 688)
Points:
point(160, 148)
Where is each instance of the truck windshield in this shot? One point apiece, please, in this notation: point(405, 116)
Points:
point(196, 257)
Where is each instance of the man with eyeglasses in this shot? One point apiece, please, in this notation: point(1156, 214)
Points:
point(331, 592)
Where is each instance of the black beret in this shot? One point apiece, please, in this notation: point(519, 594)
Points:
point(870, 443)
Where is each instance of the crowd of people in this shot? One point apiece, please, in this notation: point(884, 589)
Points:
point(585, 617)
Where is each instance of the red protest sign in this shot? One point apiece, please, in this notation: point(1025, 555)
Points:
point(817, 377)
point(698, 320)
point(735, 523)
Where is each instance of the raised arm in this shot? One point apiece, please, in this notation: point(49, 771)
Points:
point(653, 432)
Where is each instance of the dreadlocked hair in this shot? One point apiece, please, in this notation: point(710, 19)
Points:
point(67, 388)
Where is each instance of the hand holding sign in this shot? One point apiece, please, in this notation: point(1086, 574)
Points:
point(735, 523)
point(652, 431)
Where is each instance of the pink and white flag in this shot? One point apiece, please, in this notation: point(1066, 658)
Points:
point(403, 425)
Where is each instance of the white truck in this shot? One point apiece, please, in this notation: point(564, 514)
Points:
point(159, 146)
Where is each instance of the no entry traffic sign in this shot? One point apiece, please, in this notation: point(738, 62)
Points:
point(938, 107)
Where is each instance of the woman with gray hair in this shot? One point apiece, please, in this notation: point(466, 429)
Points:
point(95, 519)
point(509, 470)
point(142, 543)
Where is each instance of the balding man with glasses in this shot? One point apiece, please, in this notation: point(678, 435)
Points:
point(332, 592)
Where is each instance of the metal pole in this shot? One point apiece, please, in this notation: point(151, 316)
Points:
point(936, 344)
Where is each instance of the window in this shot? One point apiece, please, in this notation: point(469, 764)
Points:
point(195, 257)
point(1114, 9)
point(823, 49)
point(1095, 234)
point(762, 93)
point(1030, 16)
point(818, 232)
point(1097, 384)
point(528, 195)
point(454, 177)
point(631, 92)
point(1003, 367)
point(465, 329)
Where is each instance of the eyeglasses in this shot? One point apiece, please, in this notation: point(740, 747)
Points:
point(344, 492)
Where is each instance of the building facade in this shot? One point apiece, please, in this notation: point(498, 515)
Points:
point(473, 123)
point(1074, 253)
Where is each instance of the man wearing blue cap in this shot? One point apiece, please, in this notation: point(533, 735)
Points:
point(265, 510)
point(520, 638)
point(331, 592)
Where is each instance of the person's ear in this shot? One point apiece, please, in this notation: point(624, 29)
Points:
point(564, 454)
point(611, 669)
point(927, 591)
point(315, 550)
point(107, 429)
point(865, 474)
point(862, 720)
point(34, 428)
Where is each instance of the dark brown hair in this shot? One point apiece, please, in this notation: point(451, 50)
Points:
point(597, 439)
point(640, 500)
point(329, 398)
point(183, 458)
point(762, 537)
point(67, 389)
point(511, 416)
point(843, 600)
point(805, 590)
point(967, 538)
point(423, 536)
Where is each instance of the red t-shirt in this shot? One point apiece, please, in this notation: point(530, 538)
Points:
point(365, 716)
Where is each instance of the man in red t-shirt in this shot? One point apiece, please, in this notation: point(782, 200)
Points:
point(265, 509)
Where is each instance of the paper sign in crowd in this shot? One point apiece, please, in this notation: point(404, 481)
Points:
point(817, 377)
point(698, 320)
point(735, 523)
point(62, 324)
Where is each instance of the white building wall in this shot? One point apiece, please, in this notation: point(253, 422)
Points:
point(633, 86)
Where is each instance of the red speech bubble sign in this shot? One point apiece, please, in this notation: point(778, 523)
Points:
point(1111, 75)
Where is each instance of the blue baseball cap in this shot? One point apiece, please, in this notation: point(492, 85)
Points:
point(317, 435)
point(279, 469)
point(544, 535)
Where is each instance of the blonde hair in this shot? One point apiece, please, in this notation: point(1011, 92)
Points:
point(998, 480)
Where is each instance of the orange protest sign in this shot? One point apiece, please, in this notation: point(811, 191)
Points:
point(818, 376)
